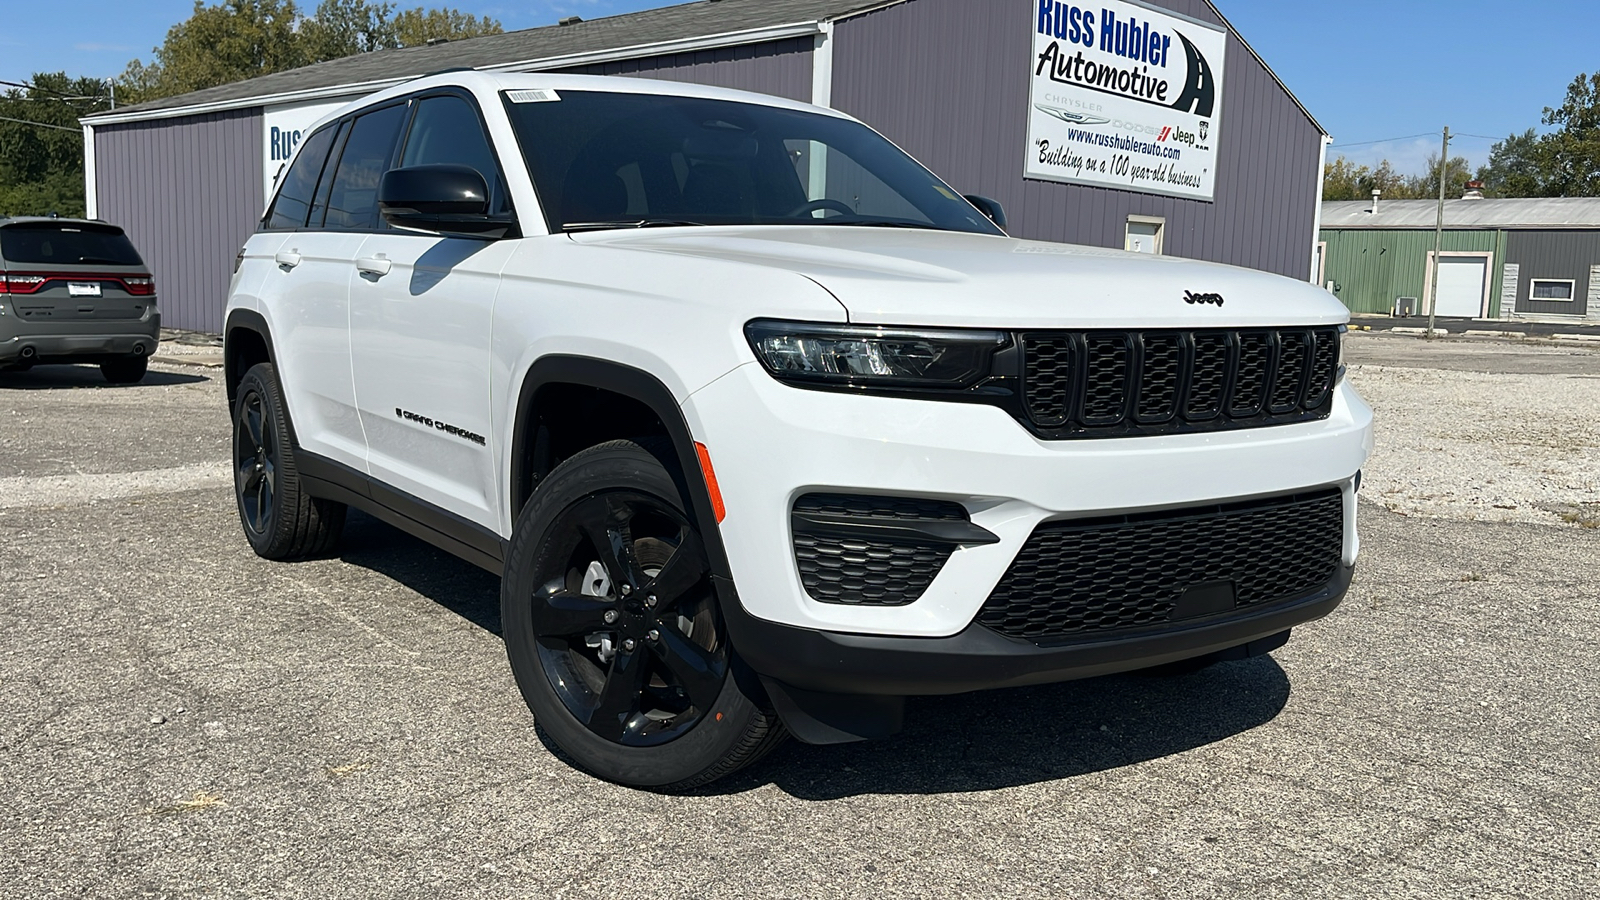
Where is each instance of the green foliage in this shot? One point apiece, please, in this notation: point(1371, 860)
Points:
point(41, 156)
point(414, 27)
point(238, 39)
point(1562, 163)
point(1344, 180)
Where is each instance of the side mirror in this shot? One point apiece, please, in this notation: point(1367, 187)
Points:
point(445, 199)
point(990, 208)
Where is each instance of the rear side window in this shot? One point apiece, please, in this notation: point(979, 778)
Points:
point(353, 201)
point(75, 244)
point(300, 182)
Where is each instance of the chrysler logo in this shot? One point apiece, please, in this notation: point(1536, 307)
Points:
point(1202, 299)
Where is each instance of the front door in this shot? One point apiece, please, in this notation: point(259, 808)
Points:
point(421, 310)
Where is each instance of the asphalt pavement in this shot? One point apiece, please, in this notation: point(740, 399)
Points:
point(183, 719)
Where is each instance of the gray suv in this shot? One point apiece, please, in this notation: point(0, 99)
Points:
point(74, 291)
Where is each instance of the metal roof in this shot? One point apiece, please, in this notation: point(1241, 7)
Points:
point(650, 32)
point(1559, 212)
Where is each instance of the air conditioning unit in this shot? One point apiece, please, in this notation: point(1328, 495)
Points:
point(1405, 307)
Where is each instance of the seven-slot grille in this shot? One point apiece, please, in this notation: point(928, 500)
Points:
point(1081, 579)
point(1125, 383)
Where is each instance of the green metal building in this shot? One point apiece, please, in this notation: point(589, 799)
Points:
point(1502, 259)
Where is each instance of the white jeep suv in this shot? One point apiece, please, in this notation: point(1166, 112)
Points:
point(764, 425)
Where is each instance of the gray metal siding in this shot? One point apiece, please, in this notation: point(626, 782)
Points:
point(188, 192)
point(1561, 255)
point(947, 80)
point(781, 68)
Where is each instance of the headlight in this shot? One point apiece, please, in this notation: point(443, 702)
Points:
point(865, 356)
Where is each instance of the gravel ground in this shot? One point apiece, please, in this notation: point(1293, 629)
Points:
point(1481, 431)
point(182, 719)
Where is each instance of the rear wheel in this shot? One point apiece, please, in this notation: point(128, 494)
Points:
point(127, 370)
point(613, 630)
point(280, 519)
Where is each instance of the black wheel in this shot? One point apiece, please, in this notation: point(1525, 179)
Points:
point(613, 630)
point(127, 370)
point(280, 520)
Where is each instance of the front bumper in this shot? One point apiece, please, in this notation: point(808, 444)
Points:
point(980, 659)
point(771, 443)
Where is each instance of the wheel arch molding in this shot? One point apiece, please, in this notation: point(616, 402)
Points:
point(632, 384)
point(246, 336)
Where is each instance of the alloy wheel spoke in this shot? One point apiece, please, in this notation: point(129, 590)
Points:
point(683, 571)
point(698, 671)
point(252, 420)
point(558, 612)
point(263, 501)
point(615, 715)
point(604, 521)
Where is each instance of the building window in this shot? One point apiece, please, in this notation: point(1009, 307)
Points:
point(1551, 289)
point(1144, 234)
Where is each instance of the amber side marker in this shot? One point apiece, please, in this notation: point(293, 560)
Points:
point(717, 507)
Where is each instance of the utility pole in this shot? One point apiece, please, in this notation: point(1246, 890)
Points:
point(1438, 234)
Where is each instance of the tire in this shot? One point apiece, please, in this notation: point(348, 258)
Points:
point(281, 521)
point(127, 370)
point(613, 630)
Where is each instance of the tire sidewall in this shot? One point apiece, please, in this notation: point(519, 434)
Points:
point(616, 466)
point(262, 380)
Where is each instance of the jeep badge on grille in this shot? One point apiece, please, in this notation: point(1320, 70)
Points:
point(1202, 299)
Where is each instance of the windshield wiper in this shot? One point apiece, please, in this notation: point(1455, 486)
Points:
point(882, 223)
point(633, 223)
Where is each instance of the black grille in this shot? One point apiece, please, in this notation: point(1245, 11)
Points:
point(1125, 383)
point(869, 570)
point(1082, 579)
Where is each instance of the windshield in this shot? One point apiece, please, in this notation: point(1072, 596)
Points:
point(607, 160)
point(77, 244)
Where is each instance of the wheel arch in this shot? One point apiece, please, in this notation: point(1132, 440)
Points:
point(552, 374)
point(246, 341)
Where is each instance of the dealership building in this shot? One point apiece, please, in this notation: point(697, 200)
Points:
point(1148, 126)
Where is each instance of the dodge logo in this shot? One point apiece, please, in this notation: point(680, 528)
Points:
point(1202, 299)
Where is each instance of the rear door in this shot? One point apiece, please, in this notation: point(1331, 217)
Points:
point(421, 312)
point(73, 277)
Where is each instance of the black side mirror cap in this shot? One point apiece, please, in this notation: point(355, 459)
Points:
point(445, 199)
point(990, 208)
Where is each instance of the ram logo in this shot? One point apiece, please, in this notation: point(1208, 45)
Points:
point(1202, 299)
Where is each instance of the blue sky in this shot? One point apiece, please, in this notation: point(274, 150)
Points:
point(1367, 69)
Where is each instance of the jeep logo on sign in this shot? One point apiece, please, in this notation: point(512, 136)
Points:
point(1202, 299)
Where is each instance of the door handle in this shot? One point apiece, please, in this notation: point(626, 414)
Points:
point(374, 265)
point(288, 258)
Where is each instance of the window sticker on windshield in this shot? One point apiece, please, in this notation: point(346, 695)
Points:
point(945, 191)
point(538, 95)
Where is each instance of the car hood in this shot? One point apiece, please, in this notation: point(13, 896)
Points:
point(895, 276)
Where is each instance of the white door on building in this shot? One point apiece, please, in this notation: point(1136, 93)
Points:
point(1461, 286)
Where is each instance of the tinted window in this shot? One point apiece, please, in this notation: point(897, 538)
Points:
point(353, 202)
point(300, 182)
point(447, 130)
point(75, 244)
point(601, 158)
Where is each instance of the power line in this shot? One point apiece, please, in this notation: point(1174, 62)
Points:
point(41, 124)
point(1411, 137)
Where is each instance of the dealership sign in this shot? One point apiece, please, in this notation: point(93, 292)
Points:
point(1126, 97)
point(283, 129)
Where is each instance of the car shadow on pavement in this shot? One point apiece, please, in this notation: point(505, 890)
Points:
point(454, 584)
point(56, 378)
point(973, 742)
point(1001, 739)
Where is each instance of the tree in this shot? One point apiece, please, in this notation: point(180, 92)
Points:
point(1515, 168)
point(1426, 187)
point(1344, 180)
point(1571, 154)
point(415, 27)
point(238, 39)
point(41, 153)
point(231, 41)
